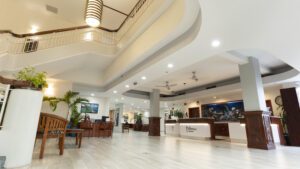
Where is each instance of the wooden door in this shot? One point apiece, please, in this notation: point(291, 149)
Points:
point(194, 112)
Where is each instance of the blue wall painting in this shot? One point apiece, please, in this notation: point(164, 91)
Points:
point(229, 111)
point(89, 108)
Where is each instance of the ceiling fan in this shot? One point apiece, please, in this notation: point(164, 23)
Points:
point(168, 85)
point(194, 77)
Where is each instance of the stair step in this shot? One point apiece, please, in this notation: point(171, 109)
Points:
point(2, 161)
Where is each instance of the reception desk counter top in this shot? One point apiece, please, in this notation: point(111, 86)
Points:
point(208, 128)
point(194, 128)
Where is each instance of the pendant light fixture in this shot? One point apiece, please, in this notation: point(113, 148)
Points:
point(94, 10)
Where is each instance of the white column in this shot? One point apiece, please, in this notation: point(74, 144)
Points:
point(106, 107)
point(155, 103)
point(252, 86)
point(119, 112)
point(20, 125)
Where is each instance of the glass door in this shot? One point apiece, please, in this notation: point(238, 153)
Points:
point(4, 91)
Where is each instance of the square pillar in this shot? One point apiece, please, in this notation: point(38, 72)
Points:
point(154, 119)
point(257, 118)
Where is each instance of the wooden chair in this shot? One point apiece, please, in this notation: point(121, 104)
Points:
point(108, 129)
point(105, 129)
point(125, 127)
point(102, 128)
point(51, 126)
point(87, 125)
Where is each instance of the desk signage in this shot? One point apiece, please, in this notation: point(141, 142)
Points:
point(190, 129)
point(195, 130)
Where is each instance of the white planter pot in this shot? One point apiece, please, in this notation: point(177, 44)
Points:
point(20, 126)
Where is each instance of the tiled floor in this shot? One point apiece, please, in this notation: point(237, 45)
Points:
point(138, 151)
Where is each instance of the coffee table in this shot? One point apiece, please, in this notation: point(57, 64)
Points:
point(78, 133)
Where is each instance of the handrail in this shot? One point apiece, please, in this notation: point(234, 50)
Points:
point(131, 14)
point(50, 31)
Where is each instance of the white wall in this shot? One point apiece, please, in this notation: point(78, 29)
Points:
point(60, 87)
point(271, 93)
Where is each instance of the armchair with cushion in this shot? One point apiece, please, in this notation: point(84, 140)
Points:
point(51, 126)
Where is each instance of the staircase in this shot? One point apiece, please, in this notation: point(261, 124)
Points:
point(2, 161)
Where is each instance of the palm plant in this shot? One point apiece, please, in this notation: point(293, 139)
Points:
point(72, 99)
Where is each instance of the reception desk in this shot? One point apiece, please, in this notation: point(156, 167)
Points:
point(172, 128)
point(191, 128)
point(238, 133)
point(207, 128)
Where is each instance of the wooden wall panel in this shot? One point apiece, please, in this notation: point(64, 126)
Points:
point(259, 131)
point(154, 126)
point(291, 106)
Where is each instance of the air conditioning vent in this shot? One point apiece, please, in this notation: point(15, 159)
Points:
point(31, 45)
point(51, 9)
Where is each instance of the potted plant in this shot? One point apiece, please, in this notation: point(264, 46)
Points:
point(178, 113)
point(283, 115)
point(138, 121)
point(72, 99)
point(36, 80)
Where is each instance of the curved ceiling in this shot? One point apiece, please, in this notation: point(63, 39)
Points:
point(270, 34)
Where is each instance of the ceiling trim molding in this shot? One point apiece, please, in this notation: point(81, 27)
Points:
point(280, 78)
point(132, 13)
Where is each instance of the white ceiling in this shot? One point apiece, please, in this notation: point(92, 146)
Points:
point(211, 70)
point(82, 69)
point(236, 27)
point(70, 13)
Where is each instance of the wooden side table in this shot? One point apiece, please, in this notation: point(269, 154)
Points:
point(78, 133)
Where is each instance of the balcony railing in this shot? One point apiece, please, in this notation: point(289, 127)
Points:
point(14, 44)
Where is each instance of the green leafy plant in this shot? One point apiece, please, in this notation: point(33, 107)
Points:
point(36, 79)
point(283, 115)
point(178, 113)
point(72, 99)
point(138, 118)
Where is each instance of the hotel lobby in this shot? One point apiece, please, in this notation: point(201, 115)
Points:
point(129, 84)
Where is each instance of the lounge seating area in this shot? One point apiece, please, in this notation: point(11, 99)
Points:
point(96, 129)
point(53, 126)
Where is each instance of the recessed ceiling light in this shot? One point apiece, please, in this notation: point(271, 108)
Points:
point(215, 97)
point(170, 65)
point(143, 77)
point(127, 86)
point(92, 94)
point(122, 98)
point(115, 92)
point(215, 43)
point(34, 29)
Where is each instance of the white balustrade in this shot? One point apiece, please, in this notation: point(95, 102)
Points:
point(14, 45)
